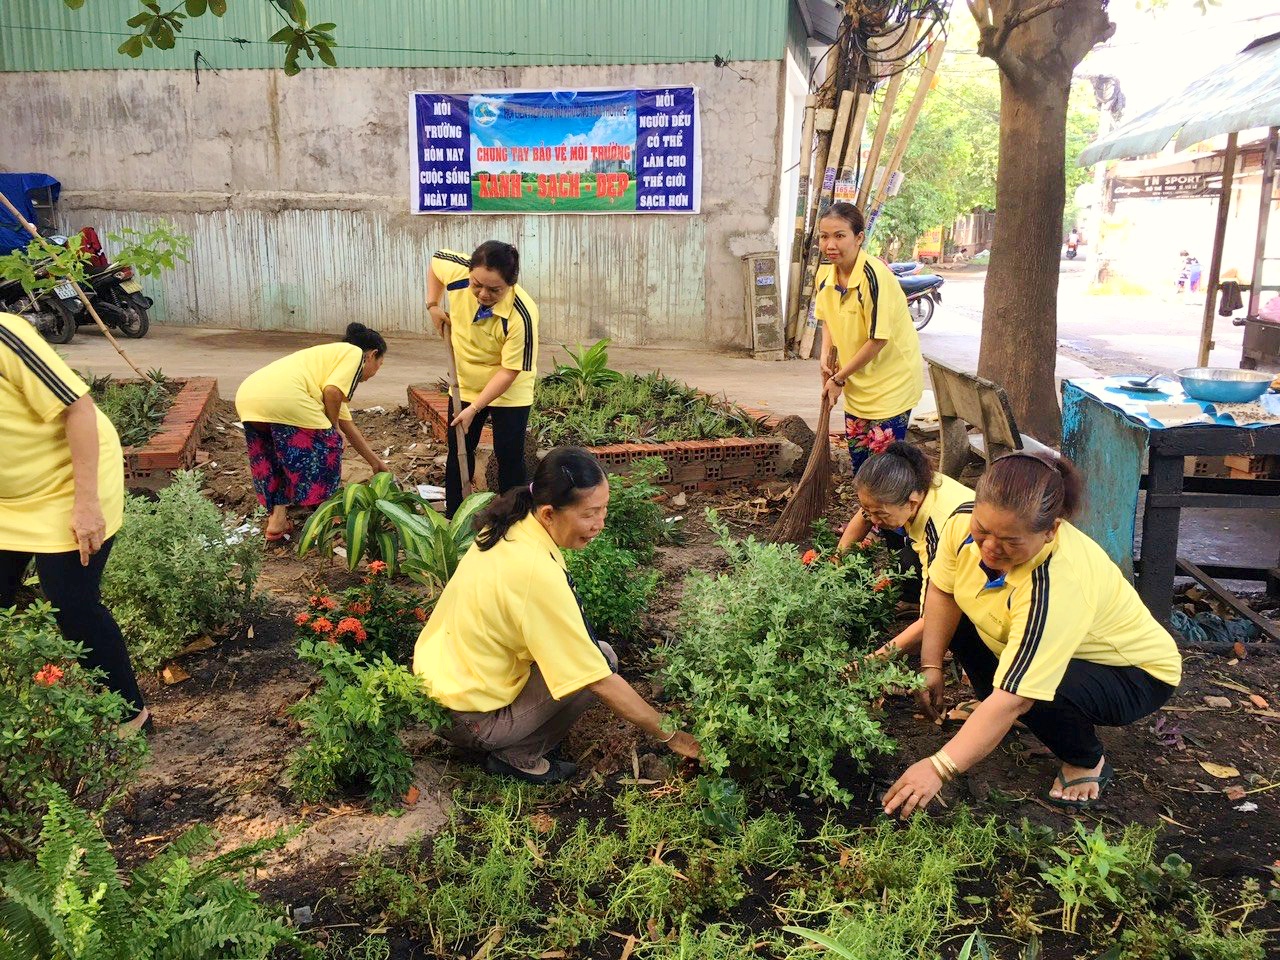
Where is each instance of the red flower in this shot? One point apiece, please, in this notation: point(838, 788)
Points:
point(879, 439)
point(377, 567)
point(302, 618)
point(420, 614)
point(882, 584)
point(48, 675)
point(348, 625)
point(359, 608)
point(326, 603)
point(809, 557)
point(322, 625)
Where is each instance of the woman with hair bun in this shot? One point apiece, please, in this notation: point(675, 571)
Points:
point(508, 648)
point(899, 491)
point(1062, 640)
point(493, 328)
point(295, 414)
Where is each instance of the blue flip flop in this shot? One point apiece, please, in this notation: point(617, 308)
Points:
point(1102, 779)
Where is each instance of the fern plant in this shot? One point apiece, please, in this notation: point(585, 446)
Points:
point(73, 904)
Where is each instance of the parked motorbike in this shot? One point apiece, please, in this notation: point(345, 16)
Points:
point(54, 313)
point(905, 268)
point(923, 292)
point(116, 295)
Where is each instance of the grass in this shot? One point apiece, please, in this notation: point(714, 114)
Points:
point(136, 409)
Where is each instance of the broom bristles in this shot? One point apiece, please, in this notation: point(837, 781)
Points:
point(814, 488)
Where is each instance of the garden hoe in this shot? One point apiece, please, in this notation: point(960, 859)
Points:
point(460, 435)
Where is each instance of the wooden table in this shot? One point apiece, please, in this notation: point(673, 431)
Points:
point(1110, 448)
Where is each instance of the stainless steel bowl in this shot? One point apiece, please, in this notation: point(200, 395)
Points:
point(1224, 384)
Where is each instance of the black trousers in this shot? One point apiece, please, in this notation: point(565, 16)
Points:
point(82, 617)
point(1090, 695)
point(509, 425)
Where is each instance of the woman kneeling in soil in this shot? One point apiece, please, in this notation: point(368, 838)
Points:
point(295, 415)
point(61, 501)
point(508, 649)
point(899, 491)
point(1062, 639)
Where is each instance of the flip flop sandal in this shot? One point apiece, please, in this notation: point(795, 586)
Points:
point(284, 534)
point(1102, 779)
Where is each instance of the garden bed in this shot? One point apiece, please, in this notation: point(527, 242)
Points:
point(692, 465)
point(175, 444)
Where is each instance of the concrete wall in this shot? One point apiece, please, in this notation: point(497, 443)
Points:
point(296, 193)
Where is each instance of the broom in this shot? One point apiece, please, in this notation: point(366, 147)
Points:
point(814, 488)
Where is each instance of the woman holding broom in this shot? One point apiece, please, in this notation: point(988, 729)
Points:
point(879, 371)
point(493, 332)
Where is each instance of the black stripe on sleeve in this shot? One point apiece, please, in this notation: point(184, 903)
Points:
point(586, 621)
point(874, 285)
point(1034, 633)
point(355, 381)
point(526, 362)
point(458, 284)
point(454, 258)
point(930, 540)
point(963, 508)
point(36, 364)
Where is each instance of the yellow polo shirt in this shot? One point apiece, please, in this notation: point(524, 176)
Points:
point(291, 390)
point(873, 308)
point(506, 339)
point(37, 486)
point(1069, 601)
point(505, 609)
point(944, 499)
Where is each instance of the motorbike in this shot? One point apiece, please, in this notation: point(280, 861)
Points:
point(905, 268)
point(117, 296)
point(1071, 250)
point(923, 292)
point(54, 313)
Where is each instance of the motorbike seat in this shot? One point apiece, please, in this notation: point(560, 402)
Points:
point(918, 284)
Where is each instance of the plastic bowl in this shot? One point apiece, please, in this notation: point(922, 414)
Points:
point(1224, 384)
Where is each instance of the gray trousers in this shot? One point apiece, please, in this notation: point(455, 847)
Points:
point(527, 729)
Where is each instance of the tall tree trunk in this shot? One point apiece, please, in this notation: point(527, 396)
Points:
point(1037, 45)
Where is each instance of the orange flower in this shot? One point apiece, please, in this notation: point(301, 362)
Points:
point(359, 608)
point(302, 618)
point(809, 557)
point(377, 566)
point(348, 625)
point(881, 584)
point(48, 675)
point(327, 603)
point(322, 625)
point(420, 614)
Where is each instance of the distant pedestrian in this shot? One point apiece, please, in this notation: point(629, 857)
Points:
point(295, 415)
point(1188, 273)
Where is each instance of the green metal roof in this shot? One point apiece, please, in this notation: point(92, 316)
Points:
point(1242, 94)
point(46, 35)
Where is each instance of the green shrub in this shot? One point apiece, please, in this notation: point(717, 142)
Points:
point(612, 585)
point(57, 728)
point(372, 618)
point(135, 409)
point(771, 669)
point(352, 725)
point(178, 570)
point(72, 903)
point(635, 521)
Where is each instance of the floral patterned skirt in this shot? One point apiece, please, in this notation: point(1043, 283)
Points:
point(866, 437)
point(293, 465)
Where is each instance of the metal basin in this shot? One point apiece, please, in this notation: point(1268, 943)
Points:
point(1224, 384)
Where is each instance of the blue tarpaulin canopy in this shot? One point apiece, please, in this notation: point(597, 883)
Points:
point(18, 187)
point(1242, 94)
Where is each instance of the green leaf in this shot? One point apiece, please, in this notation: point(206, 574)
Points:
point(389, 550)
point(462, 518)
point(138, 19)
point(324, 27)
point(74, 4)
point(823, 940)
point(281, 35)
point(164, 36)
point(357, 531)
point(357, 494)
point(196, 8)
point(326, 54)
point(218, 7)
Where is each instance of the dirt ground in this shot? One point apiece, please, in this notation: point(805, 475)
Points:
point(223, 737)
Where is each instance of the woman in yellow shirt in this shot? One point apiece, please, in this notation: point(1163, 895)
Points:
point(493, 328)
point(508, 648)
point(1062, 641)
point(295, 415)
point(880, 372)
point(61, 500)
point(899, 492)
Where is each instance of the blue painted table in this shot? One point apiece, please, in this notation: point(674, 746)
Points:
point(1109, 434)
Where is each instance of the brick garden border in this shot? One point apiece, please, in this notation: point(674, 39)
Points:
point(705, 465)
point(175, 444)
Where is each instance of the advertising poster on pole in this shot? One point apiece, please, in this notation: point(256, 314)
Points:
point(556, 151)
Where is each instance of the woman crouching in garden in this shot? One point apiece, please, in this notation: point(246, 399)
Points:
point(1062, 640)
point(295, 415)
point(508, 649)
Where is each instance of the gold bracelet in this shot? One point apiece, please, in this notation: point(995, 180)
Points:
point(670, 738)
point(939, 769)
point(945, 759)
point(931, 666)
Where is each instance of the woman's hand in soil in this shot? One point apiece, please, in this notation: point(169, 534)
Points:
point(913, 790)
point(685, 745)
point(932, 696)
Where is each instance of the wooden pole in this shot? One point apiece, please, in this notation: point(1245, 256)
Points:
point(1215, 262)
point(459, 434)
point(877, 142)
point(909, 121)
point(802, 206)
point(1264, 214)
point(834, 152)
point(74, 285)
point(854, 145)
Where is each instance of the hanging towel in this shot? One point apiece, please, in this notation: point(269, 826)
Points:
point(1231, 301)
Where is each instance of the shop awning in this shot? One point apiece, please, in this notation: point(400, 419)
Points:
point(1242, 94)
